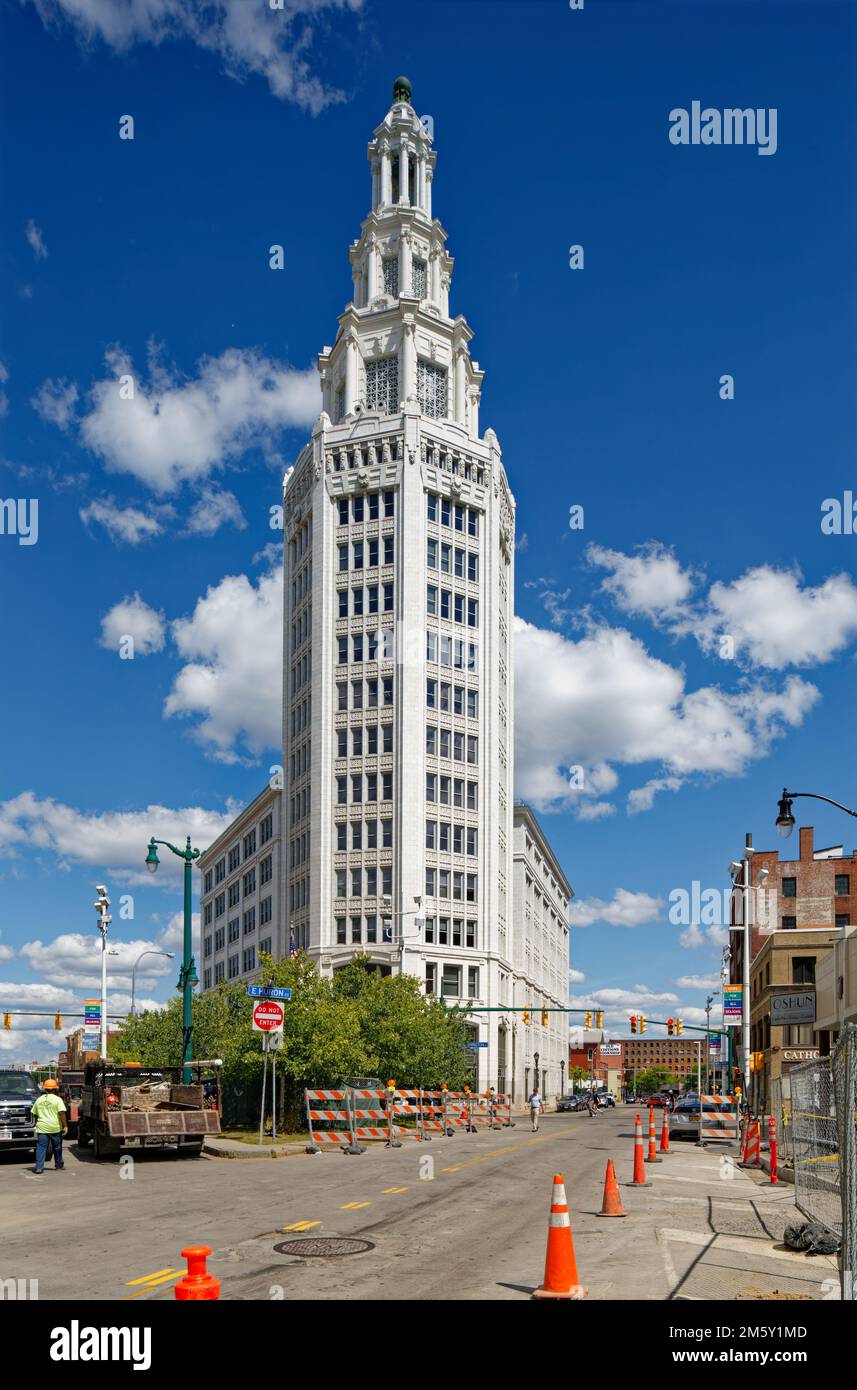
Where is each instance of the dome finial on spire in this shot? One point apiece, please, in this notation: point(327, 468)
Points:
point(402, 90)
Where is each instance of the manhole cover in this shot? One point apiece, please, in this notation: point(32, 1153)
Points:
point(324, 1248)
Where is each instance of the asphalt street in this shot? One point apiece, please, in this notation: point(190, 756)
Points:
point(458, 1218)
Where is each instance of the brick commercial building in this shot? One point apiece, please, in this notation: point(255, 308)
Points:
point(801, 919)
point(678, 1055)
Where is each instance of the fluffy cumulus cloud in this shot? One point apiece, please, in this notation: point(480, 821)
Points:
point(605, 700)
point(231, 683)
point(107, 840)
point(698, 982)
point(269, 40)
point(129, 524)
point(211, 510)
point(172, 429)
point(56, 401)
point(777, 622)
point(132, 617)
point(575, 977)
point(694, 937)
point(643, 798)
point(72, 961)
point(624, 909)
point(650, 583)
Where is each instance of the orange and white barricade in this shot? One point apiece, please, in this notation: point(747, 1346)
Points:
point(456, 1111)
point(371, 1120)
point(330, 1108)
point(503, 1110)
point(718, 1119)
point(431, 1113)
point(408, 1106)
point(752, 1157)
point(483, 1111)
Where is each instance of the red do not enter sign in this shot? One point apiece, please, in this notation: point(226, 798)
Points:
point(268, 1016)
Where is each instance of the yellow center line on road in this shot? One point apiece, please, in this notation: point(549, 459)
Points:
point(170, 1269)
point(152, 1283)
point(300, 1226)
point(353, 1206)
point(394, 1189)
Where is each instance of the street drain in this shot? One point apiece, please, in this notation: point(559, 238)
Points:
point(321, 1248)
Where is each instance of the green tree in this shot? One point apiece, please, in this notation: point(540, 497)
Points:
point(656, 1079)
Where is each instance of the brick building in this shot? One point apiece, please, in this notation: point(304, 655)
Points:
point(679, 1055)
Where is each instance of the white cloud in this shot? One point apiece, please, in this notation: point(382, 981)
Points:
point(128, 524)
point(177, 430)
point(36, 240)
point(694, 937)
point(132, 617)
point(624, 909)
point(55, 402)
point(606, 699)
point(643, 798)
point(259, 39)
point(776, 623)
point(113, 841)
point(575, 977)
point(232, 682)
point(213, 509)
point(698, 982)
point(649, 584)
point(6, 952)
point(594, 810)
point(72, 961)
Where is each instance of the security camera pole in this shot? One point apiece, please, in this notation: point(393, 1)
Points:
point(102, 903)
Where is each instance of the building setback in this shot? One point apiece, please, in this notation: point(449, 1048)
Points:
point(397, 825)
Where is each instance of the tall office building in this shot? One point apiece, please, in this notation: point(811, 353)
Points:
point(399, 551)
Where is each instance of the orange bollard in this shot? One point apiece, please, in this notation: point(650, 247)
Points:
point(612, 1202)
point(772, 1144)
point(652, 1155)
point(639, 1179)
point(561, 1278)
point(197, 1283)
point(665, 1133)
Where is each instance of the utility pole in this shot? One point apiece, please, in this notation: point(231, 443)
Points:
point(102, 903)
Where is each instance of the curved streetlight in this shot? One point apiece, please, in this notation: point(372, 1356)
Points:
point(187, 975)
point(170, 956)
point(785, 819)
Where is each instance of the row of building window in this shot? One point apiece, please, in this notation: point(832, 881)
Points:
point(218, 905)
point(362, 929)
point(465, 887)
point(444, 650)
point(365, 741)
point(452, 699)
point(360, 694)
point(367, 554)
point(300, 715)
point(365, 834)
point(231, 861)
point(232, 931)
point(298, 894)
point(841, 886)
point(450, 980)
point(365, 646)
point(369, 783)
point(449, 743)
point(236, 965)
point(452, 791)
point(299, 850)
point(366, 507)
point(842, 919)
point(374, 598)
point(443, 603)
point(300, 806)
point(374, 877)
point(450, 931)
point(454, 514)
point(301, 627)
point(461, 564)
point(449, 838)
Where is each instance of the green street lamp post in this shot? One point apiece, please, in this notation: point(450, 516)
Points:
point(187, 975)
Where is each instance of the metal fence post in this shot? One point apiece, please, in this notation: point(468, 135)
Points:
point(845, 1088)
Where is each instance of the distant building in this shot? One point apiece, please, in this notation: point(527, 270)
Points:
point(677, 1055)
point(240, 904)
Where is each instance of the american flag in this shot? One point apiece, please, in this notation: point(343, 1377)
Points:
point(293, 950)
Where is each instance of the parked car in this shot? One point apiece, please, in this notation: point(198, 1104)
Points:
point(657, 1099)
point(567, 1102)
point(605, 1100)
point(18, 1092)
point(685, 1118)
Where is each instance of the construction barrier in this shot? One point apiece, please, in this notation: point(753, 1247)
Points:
point(336, 1111)
point(718, 1119)
point(431, 1113)
point(503, 1110)
point(407, 1105)
point(456, 1111)
point(483, 1112)
point(366, 1106)
point(752, 1145)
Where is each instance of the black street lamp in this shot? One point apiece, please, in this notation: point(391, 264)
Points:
point(785, 819)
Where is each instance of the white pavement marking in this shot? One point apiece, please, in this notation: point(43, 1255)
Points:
point(746, 1245)
point(669, 1267)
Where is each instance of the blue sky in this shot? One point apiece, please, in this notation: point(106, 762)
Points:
point(701, 515)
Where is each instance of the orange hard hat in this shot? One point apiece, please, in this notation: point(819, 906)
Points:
point(51, 1084)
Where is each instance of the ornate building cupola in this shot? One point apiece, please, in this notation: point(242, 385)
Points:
point(397, 348)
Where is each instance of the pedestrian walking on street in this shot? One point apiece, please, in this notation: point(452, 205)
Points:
point(536, 1106)
point(591, 1104)
point(51, 1124)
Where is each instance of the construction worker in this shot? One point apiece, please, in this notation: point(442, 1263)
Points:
point(535, 1107)
point(51, 1124)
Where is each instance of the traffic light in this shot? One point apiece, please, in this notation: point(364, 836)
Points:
point(679, 1027)
point(526, 1015)
point(633, 1023)
point(7, 1021)
point(58, 1022)
point(599, 1019)
point(670, 1026)
point(757, 1061)
point(544, 1018)
point(642, 1023)
point(588, 1019)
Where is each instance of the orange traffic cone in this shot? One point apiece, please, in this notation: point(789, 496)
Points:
point(561, 1277)
point(197, 1283)
point(612, 1203)
point(652, 1155)
point(639, 1179)
point(665, 1133)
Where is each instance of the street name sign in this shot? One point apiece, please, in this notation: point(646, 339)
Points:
point(268, 992)
point(476, 1044)
point(268, 1016)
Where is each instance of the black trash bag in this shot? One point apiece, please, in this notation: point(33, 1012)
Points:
point(811, 1237)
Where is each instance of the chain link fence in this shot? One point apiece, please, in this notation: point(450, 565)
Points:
point(844, 1069)
point(815, 1144)
point(780, 1108)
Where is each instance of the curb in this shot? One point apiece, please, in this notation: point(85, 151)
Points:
point(245, 1151)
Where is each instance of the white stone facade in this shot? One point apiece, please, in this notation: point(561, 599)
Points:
point(240, 906)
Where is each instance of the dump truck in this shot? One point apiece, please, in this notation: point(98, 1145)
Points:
point(135, 1107)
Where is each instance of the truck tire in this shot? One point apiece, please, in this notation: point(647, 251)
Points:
point(191, 1150)
point(84, 1136)
point(105, 1147)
